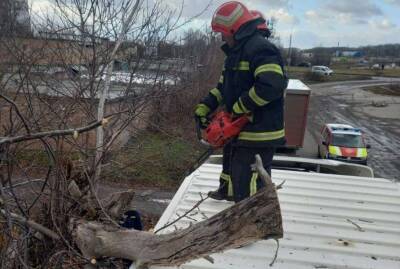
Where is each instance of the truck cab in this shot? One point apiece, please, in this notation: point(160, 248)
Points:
point(343, 142)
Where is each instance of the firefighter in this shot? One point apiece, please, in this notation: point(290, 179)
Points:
point(252, 83)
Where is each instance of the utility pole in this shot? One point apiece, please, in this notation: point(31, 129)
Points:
point(289, 57)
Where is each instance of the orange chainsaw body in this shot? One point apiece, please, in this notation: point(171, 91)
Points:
point(222, 128)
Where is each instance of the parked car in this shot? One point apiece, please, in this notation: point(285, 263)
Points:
point(322, 70)
point(376, 67)
point(343, 142)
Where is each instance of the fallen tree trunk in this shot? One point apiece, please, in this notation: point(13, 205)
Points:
point(250, 220)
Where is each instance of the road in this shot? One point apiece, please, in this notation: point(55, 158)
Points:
point(347, 102)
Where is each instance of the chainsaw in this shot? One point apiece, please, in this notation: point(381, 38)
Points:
point(220, 131)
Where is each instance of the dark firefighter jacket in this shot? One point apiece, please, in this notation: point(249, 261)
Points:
point(253, 82)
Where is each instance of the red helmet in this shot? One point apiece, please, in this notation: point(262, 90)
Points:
point(257, 14)
point(229, 17)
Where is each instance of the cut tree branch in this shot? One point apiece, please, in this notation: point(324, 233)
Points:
point(259, 167)
point(250, 220)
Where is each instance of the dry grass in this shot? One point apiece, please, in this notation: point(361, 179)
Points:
point(153, 160)
point(348, 71)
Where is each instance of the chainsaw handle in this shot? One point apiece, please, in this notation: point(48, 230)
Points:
point(241, 121)
point(198, 132)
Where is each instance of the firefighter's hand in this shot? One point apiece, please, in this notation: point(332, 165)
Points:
point(201, 113)
point(235, 116)
point(202, 121)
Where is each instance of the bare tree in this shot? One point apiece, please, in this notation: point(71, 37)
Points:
point(127, 19)
point(62, 79)
point(88, 67)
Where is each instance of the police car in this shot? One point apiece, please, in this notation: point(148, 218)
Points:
point(343, 142)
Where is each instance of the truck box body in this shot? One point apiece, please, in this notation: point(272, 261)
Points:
point(296, 108)
point(329, 221)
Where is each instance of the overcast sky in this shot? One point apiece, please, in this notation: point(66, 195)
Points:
point(315, 23)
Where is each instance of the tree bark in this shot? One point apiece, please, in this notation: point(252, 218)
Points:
point(257, 217)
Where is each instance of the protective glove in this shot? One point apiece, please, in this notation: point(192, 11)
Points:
point(203, 122)
point(201, 113)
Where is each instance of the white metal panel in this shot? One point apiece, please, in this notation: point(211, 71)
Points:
point(329, 221)
point(296, 84)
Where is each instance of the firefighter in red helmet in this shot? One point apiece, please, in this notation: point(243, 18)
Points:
point(252, 83)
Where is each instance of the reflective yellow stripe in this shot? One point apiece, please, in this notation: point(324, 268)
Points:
point(362, 153)
point(237, 109)
point(227, 178)
point(229, 20)
point(253, 184)
point(217, 95)
point(243, 106)
point(257, 99)
point(276, 68)
point(335, 151)
point(221, 79)
point(262, 136)
point(202, 110)
point(243, 66)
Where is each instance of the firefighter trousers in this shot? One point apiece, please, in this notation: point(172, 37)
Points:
point(237, 179)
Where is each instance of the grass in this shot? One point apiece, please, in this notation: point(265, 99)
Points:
point(153, 159)
point(34, 157)
point(304, 74)
point(40, 159)
point(342, 74)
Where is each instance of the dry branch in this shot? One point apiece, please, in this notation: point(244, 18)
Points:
point(250, 220)
point(184, 215)
point(34, 225)
point(258, 166)
point(27, 137)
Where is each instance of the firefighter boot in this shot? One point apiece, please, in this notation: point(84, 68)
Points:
point(217, 195)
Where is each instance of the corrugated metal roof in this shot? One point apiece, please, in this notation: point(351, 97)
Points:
point(330, 221)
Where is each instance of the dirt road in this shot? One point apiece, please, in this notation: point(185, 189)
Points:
point(348, 102)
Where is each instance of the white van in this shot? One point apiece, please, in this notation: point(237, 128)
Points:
point(322, 70)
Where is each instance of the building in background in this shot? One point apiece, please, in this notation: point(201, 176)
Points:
point(15, 18)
